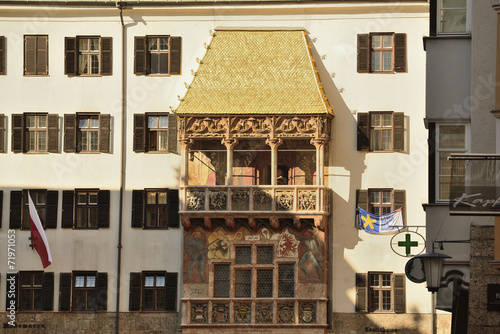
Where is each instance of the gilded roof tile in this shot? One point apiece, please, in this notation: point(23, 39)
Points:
point(256, 72)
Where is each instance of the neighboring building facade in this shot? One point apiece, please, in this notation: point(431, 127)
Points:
point(234, 210)
point(461, 87)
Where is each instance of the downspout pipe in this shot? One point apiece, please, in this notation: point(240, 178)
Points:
point(120, 5)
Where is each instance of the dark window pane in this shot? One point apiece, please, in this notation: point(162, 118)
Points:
point(243, 254)
point(264, 283)
point(163, 63)
point(264, 254)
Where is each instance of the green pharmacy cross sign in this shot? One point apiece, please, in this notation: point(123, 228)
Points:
point(408, 244)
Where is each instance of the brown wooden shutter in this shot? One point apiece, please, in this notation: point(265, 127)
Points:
point(2, 55)
point(171, 291)
point(137, 208)
point(42, 64)
point(363, 53)
point(51, 214)
point(102, 291)
point(139, 133)
point(400, 201)
point(17, 133)
point(400, 64)
point(1, 207)
point(70, 50)
point(65, 292)
point(399, 131)
point(106, 56)
point(70, 133)
point(103, 200)
point(361, 202)
point(16, 209)
point(172, 133)
point(48, 292)
point(2, 133)
point(399, 293)
point(173, 207)
point(175, 55)
point(11, 298)
point(361, 292)
point(363, 142)
point(53, 133)
point(30, 55)
point(104, 133)
point(140, 55)
point(135, 292)
point(67, 208)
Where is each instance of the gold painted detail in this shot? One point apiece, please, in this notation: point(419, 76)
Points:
point(286, 313)
point(248, 125)
point(206, 125)
point(242, 313)
point(195, 200)
point(199, 313)
point(220, 313)
point(263, 313)
point(307, 200)
point(218, 200)
point(284, 200)
point(307, 313)
point(296, 125)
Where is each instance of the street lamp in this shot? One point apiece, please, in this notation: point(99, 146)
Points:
point(433, 268)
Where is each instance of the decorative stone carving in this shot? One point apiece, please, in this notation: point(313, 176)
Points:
point(307, 313)
point(206, 126)
point(298, 125)
point(199, 313)
point(220, 313)
point(242, 313)
point(263, 313)
point(286, 313)
point(262, 200)
point(240, 200)
point(251, 125)
point(218, 199)
point(307, 200)
point(195, 200)
point(284, 200)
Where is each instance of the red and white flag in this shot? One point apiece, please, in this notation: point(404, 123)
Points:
point(38, 235)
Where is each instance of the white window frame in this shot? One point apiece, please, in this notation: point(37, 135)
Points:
point(468, 18)
point(438, 150)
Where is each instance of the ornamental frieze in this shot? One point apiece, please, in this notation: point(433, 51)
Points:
point(254, 126)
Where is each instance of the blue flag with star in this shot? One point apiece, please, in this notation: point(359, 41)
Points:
point(376, 224)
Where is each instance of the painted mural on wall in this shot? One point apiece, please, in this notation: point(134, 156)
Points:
point(305, 246)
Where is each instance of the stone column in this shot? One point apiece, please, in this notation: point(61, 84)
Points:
point(229, 143)
point(320, 160)
point(274, 144)
point(185, 143)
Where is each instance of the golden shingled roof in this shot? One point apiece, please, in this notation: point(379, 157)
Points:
point(256, 72)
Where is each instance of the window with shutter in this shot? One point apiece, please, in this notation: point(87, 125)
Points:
point(84, 291)
point(2, 133)
point(46, 206)
point(91, 208)
point(88, 55)
point(87, 133)
point(35, 133)
point(157, 55)
point(36, 55)
point(31, 291)
point(381, 202)
point(381, 53)
point(382, 132)
point(2, 55)
point(380, 292)
point(153, 291)
point(155, 133)
point(155, 208)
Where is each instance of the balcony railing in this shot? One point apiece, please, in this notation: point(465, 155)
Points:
point(259, 312)
point(262, 199)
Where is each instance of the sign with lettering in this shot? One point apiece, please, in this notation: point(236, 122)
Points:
point(493, 297)
point(475, 200)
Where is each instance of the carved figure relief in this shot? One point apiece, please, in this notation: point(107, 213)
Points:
point(199, 313)
point(220, 313)
point(263, 313)
point(286, 313)
point(242, 313)
point(307, 313)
